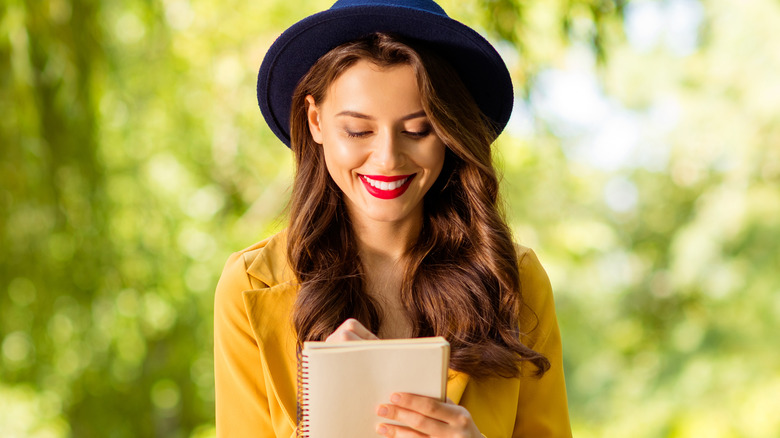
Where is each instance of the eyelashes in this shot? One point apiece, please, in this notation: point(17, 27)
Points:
point(418, 134)
point(360, 134)
point(413, 134)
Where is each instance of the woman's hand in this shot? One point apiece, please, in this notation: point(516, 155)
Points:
point(425, 417)
point(351, 330)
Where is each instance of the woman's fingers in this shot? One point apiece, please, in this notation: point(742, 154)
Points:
point(430, 407)
point(425, 416)
point(351, 330)
point(418, 424)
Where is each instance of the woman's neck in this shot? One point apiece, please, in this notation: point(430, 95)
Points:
point(382, 246)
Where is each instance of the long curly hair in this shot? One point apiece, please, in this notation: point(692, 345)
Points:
point(461, 279)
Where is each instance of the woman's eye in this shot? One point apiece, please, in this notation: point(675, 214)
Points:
point(358, 134)
point(418, 134)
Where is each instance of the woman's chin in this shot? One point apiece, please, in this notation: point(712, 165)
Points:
point(386, 213)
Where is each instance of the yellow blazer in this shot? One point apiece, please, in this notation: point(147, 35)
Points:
point(255, 360)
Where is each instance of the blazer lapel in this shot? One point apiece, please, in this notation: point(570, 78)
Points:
point(268, 311)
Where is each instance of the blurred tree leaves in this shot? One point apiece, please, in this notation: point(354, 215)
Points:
point(133, 159)
point(540, 31)
point(666, 283)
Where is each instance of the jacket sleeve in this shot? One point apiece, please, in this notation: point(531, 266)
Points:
point(241, 396)
point(542, 409)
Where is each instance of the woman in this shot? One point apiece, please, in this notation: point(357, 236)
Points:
point(390, 108)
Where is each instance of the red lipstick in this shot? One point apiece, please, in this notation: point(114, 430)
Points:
point(386, 187)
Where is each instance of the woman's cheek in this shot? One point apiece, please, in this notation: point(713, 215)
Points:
point(341, 160)
point(433, 157)
point(343, 152)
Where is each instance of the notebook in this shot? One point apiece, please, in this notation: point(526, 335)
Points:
point(341, 384)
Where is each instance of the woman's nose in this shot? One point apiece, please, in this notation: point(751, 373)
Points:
point(387, 153)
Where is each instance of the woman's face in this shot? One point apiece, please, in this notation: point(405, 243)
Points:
point(379, 145)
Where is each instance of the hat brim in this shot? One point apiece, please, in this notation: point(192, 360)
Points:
point(478, 64)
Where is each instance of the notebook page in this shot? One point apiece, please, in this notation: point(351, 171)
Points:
point(347, 384)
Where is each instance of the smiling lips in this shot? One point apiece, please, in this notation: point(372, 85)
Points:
point(386, 187)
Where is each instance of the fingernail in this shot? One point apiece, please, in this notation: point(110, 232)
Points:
point(382, 429)
point(395, 398)
point(382, 411)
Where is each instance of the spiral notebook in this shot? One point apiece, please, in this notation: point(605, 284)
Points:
point(341, 384)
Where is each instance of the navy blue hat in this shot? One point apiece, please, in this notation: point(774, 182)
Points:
point(291, 56)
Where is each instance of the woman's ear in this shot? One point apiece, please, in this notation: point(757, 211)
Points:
point(313, 115)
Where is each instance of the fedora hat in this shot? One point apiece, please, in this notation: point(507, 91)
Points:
point(290, 57)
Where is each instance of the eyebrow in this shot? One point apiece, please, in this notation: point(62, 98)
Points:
point(358, 115)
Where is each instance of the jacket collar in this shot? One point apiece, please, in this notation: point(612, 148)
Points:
point(272, 269)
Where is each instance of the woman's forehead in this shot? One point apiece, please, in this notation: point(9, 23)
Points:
point(372, 90)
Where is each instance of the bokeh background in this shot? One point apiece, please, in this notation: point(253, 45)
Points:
point(642, 163)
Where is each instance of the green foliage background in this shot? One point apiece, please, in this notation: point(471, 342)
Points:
point(133, 160)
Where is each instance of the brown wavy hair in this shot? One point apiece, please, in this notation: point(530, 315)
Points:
point(461, 279)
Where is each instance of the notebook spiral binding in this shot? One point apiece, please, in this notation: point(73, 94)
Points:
point(302, 429)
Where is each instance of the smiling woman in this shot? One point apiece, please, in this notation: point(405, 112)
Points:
point(395, 231)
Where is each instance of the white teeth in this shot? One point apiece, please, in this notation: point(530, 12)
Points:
point(382, 185)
